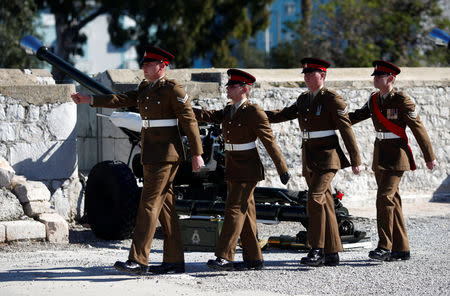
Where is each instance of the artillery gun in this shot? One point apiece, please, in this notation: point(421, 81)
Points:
point(112, 193)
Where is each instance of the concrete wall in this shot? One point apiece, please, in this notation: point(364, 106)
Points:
point(277, 88)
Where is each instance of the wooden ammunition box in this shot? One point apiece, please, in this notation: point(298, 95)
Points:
point(200, 234)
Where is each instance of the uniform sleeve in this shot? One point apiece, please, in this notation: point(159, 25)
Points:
point(183, 110)
point(360, 114)
point(282, 115)
point(215, 116)
point(339, 113)
point(264, 133)
point(127, 99)
point(410, 116)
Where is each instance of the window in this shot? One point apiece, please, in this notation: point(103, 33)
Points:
point(289, 8)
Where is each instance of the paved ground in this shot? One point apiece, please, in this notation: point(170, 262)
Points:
point(84, 266)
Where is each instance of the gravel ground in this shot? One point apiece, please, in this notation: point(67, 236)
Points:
point(84, 267)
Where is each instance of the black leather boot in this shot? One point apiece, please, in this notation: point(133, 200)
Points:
point(400, 255)
point(380, 254)
point(315, 257)
point(131, 267)
point(220, 264)
point(249, 264)
point(331, 259)
point(167, 268)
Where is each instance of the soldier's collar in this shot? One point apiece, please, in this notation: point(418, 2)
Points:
point(388, 94)
point(157, 81)
point(314, 93)
point(240, 103)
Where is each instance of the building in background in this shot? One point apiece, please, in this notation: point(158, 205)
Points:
point(281, 11)
point(99, 54)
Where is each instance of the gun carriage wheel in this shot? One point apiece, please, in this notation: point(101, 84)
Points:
point(112, 198)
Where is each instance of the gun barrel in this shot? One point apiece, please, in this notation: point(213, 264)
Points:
point(32, 45)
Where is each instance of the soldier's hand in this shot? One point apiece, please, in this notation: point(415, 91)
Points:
point(80, 98)
point(284, 178)
point(357, 169)
point(432, 164)
point(197, 162)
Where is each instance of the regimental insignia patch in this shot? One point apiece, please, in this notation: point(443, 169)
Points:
point(392, 113)
point(342, 111)
point(183, 100)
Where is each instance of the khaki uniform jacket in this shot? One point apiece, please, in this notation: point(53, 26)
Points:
point(393, 154)
point(327, 111)
point(248, 123)
point(167, 99)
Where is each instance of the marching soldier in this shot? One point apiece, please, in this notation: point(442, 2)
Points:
point(162, 103)
point(391, 111)
point(320, 112)
point(242, 123)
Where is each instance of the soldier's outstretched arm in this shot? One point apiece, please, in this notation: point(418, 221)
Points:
point(285, 114)
point(127, 99)
point(360, 114)
point(214, 116)
point(79, 98)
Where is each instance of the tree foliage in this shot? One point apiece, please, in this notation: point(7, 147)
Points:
point(353, 33)
point(187, 28)
point(16, 19)
point(193, 28)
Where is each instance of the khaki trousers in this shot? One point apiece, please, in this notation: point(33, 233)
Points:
point(240, 219)
point(391, 226)
point(157, 202)
point(323, 231)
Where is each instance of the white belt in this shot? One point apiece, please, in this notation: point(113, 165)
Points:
point(318, 134)
point(240, 147)
point(385, 136)
point(159, 122)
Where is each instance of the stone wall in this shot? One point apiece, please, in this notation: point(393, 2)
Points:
point(428, 87)
point(38, 135)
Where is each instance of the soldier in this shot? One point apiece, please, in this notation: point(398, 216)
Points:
point(320, 112)
point(391, 111)
point(162, 103)
point(242, 123)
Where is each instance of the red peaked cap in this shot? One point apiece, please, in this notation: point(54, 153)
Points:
point(153, 53)
point(383, 67)
point(236, 76)
point(314, 64)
